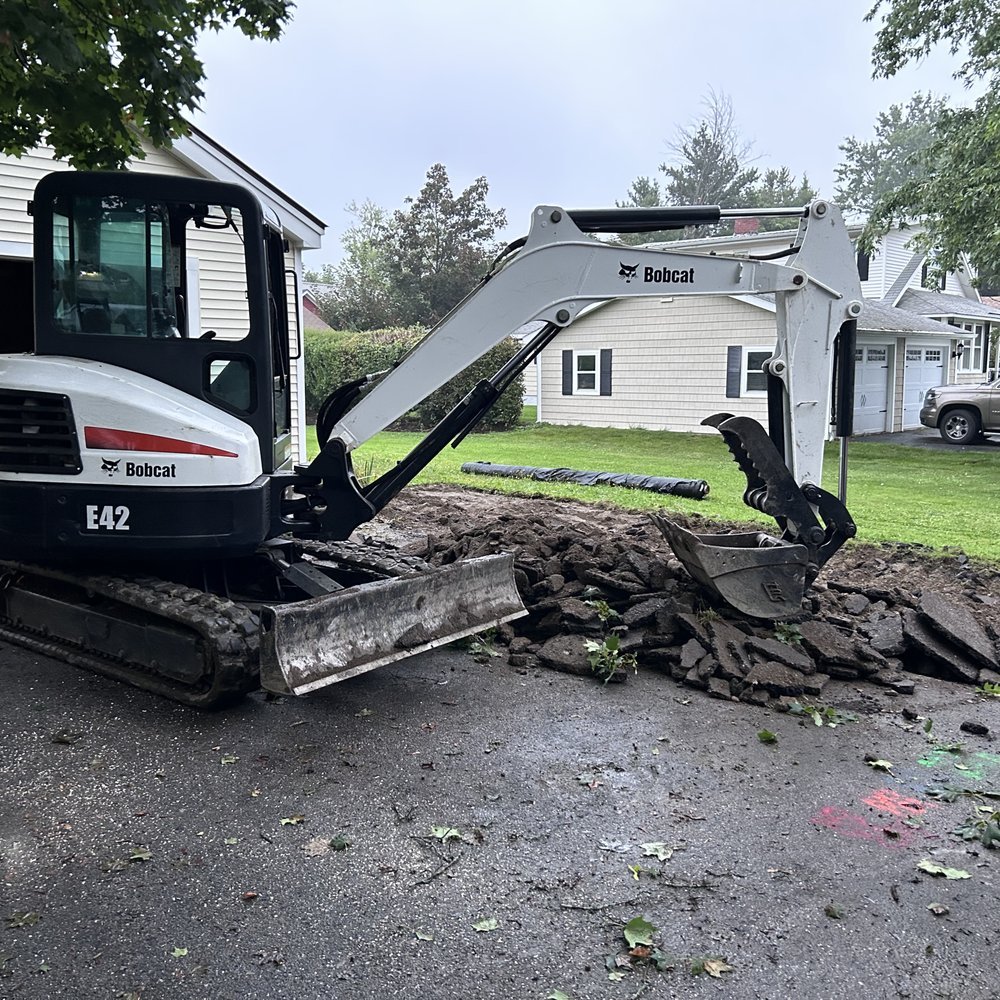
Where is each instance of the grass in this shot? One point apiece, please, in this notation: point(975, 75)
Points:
point(896, 493)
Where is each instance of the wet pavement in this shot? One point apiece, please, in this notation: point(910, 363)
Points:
point(446, 828)
point(927, 437)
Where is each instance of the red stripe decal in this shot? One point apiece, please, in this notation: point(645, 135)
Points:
point(106, 438)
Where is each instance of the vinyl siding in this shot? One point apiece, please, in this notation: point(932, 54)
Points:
point(669, 363)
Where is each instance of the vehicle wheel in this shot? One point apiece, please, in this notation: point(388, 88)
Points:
point(960, 426)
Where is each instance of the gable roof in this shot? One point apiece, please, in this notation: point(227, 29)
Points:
point(939, 304)
point(210, 158)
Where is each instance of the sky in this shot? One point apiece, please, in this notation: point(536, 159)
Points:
point(560, 102)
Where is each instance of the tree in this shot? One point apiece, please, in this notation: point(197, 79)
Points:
point(413, 266)
point(440, 245)
point(710, 165)
point(957, 197)
point(361, 294)
point(91, 77)
point(876, 167)
point(779, 188)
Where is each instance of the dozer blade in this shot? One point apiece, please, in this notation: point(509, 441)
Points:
point(761, 576)
point(326, 639)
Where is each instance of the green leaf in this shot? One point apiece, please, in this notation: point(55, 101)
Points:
point(486, 924)
point(231, 759)
point(638, 931)
point(230, 841)
point(340, 843)
point(140, 854)
point(766, 736)
point(880, 765)
point(933, 868)
point(292, 820)
point(445, 833)
point(558, 995)
point(423, 936)
point(179, 952)
point(657, 849)
point(23, 918)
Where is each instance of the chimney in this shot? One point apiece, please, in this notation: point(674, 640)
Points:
point(742, 227)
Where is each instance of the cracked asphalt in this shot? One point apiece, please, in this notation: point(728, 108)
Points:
point(150, 851)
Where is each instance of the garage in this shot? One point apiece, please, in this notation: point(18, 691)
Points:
point(871, 388)
point(923, 368)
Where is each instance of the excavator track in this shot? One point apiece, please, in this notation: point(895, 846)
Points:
point(119, 626)
point(176, 641)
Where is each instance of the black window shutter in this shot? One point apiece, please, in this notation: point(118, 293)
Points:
point(606, 371)
point(567, 363)
point(734, 371)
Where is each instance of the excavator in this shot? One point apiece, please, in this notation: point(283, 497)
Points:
point(156, 527)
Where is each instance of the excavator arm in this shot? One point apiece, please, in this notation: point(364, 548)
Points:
point(559, 272)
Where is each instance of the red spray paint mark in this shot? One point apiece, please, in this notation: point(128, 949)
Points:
point(886, 800)
point(892, 835)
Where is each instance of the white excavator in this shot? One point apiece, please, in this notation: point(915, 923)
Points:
point(154, 524)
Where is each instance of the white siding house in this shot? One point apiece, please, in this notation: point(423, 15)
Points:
point(214, 263)
point(667, 363)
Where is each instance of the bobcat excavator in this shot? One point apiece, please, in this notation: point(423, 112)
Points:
point(154, 524)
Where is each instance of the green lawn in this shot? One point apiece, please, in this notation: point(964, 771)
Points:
point(895, 493)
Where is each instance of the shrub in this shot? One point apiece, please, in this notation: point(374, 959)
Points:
point(331, 359)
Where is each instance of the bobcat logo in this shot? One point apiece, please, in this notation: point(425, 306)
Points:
point(110, 467)
point(627, 271)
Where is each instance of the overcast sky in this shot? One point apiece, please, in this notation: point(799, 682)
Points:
point(554, 101)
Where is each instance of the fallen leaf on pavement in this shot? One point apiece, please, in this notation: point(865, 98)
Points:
point(933, 868)
point(486, 924)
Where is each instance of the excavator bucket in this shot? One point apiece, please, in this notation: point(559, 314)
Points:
point(761, 576)
point(326, 639)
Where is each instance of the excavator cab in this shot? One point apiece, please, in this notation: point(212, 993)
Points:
point(178, 279)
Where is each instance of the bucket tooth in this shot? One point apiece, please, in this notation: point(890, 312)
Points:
point(326, 639)
point(761, 576)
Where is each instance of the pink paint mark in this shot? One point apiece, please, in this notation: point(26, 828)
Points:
point(841, 821)
point(886, 800)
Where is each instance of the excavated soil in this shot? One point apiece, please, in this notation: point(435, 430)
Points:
point(877, 614)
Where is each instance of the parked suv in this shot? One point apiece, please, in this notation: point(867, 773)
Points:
point(962, 413)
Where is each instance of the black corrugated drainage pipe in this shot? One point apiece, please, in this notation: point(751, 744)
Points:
point(695, 489)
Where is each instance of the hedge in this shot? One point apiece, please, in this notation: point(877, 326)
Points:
point(333, 358)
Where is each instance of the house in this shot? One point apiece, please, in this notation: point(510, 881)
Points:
point(667, 363)
point(311, 318)
point(216, 274)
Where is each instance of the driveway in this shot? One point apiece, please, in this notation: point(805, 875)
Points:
point(926, 437)
point(448, 829)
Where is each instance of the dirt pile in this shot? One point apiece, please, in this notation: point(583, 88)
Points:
point(877, 613)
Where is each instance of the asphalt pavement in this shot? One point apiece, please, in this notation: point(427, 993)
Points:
point(446, 828)
point(927, 437)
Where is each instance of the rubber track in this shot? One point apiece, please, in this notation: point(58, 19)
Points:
point(229, 631)
point(229, 635)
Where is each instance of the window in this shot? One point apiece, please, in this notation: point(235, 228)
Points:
point(754, 378)
point(971, 357)
point(927, 279)
point(586, 373)
point(745, 374)
point(864, 265)
point(122, 268)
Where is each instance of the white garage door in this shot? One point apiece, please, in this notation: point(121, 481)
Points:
point(923, 369)
point(871, 388)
